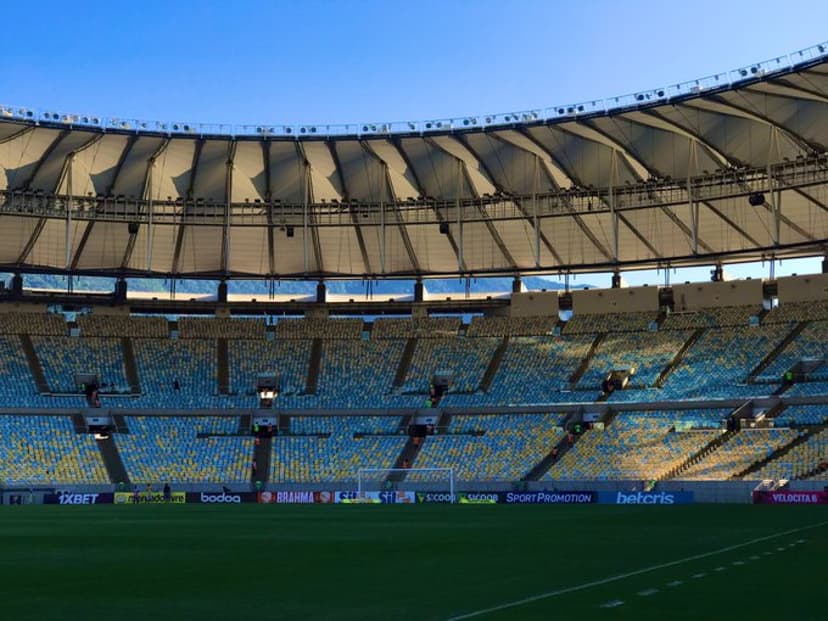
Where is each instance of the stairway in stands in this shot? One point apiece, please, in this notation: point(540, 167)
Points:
point(112, 460)
point(262, 455)
point(222, 367)
point(130, 367)
point(245, 424)
point(743, 411)
point(79, 423)
point(584, 365)
point(405, 362)
point(696, 457)
point(412, 448)
point(119, 421)
point(312, 382)
point(816, 469)
point(774, 353)
point(676, 361)
point(563, 446)
point(779, 453)
point(494, 365)
point(34, 364)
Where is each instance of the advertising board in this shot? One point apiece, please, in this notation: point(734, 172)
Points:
point(788, 497)
point(149, 498)
point(645, 498)
point(296, 498)
point(63, 497)
point(212, 498)
point(385, 498)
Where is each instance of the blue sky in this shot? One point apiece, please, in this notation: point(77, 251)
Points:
point(341, 62)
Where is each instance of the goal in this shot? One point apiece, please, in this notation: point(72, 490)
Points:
point(375, 479)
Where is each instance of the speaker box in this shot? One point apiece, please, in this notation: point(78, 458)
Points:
point(757, 199)
point(444, 228)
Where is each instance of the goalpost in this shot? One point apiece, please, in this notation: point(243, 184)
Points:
point(373, 479)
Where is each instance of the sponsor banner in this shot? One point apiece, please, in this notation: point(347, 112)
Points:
point(75, 498)
point(226, 498)
point(478, 498)
point(645, 498)
point(790, 498)
point(376, 498)
point(304, 498)
point(548, 498)
point(149, 498)
point(435, 497)
point(511, 498)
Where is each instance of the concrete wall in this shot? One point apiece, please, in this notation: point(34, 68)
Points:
point(697, 296)
point(802, 288)
point(622, 300)
point(535, 304)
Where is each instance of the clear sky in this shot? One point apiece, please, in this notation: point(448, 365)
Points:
point(324, 62)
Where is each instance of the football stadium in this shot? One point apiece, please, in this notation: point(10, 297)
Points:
point(176, 445)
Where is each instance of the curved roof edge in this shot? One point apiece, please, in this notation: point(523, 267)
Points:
point(780, 65)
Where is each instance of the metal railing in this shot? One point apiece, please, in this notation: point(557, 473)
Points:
point(663, 94)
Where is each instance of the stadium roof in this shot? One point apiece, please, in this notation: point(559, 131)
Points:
point(728, 168)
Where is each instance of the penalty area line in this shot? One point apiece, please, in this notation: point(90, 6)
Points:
point(630, 574)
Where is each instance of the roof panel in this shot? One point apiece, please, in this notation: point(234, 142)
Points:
point(569, 241)
point(288, 179)
point(15, 232)
point(480, 250)
point(20, 156)
point(249, 177)
point(666, 152)
point(53, 166)
point(477, 175)
point(401, 177)
point(172, 172)
point(105, 246)
point(557, 176)
point(289, 252)
point(340, 250)
point(249, 251)
point(585, 161)
point(433, 249)
point(440, 174)
point(363, 174)
point(324, 178)
point(661, 232)
point(50, 248)
point(210, 181)
point(802, 117)
point(132, 177)
point(510, 166)
point(94, 168)
point(200, 249)
point(161, 251)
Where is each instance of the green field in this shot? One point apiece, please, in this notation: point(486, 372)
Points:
point(420, 562)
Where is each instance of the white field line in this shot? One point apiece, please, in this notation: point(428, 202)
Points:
point(629, 574)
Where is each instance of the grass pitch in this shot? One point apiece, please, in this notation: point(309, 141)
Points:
point(422, 562)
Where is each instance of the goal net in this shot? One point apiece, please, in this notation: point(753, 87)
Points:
point(381, 479)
